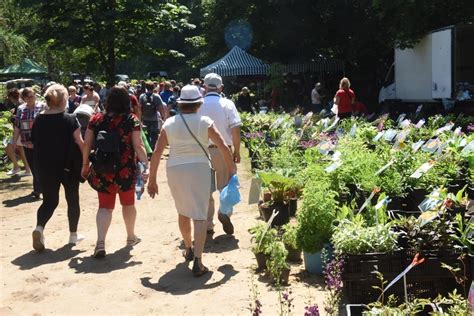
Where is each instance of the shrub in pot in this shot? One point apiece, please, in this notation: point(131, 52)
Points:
point(289, 239)
point(262, 237)
point(315, 220)
point(276, 262)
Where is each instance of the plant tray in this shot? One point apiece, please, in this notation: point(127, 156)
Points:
point(361, 266)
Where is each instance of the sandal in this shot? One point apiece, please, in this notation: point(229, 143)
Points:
point(99, 251)
point(188, 254)
point(198, 268)
point(133, 241)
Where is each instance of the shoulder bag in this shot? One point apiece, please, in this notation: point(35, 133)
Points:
point(213, 171)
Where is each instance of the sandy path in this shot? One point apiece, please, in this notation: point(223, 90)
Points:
point(151, 278)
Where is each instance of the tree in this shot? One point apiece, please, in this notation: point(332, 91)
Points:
point(105, 31)
point(12, 44)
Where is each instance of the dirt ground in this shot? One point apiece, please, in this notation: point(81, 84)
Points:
point(151, 278)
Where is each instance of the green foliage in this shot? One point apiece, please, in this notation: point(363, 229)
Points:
point(289, 236)
point(355, 238)
point(6, 129)
point(107, 31)
point(262, 237)
point(277, 260)
point(317, 213)
point(277, 184)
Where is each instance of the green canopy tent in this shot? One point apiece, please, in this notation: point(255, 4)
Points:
point(26, 68)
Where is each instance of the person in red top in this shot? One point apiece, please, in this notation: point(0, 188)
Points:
point(344, 99)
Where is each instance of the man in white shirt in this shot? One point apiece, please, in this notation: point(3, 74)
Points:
point(227, 121)
point(316, 99)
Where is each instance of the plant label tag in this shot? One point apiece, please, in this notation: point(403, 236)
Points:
point(457, 131)
point(391, 162)
point(418, 109)
point(371, 196)
point(330, 127)
point(431, 202)
point(422, 169)
point(390, 135)
point(255, 190)
point(405, 123)
point(469, 148)
point(431, 146)
point(441, 147)
point(325, 147)
point(401, 117)
point(420, 123)
point(445, 128)
point(307, 117)
point(382, 203)
point(336, 156)
point(277, 123)
point(378, 136)
point(353, 130)
point(417, 145)
point(333, 166)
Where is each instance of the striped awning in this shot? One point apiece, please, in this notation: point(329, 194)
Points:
point(317, 65)
point(236, 62)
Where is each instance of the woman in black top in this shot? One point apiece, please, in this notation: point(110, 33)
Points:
point(53, 136)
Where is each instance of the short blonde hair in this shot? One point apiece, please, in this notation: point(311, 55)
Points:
point(56, 96)
point(71, 88)
point(345, 83)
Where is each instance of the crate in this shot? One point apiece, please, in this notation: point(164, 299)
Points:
point(361, 266)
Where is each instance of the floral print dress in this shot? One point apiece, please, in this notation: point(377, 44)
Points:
point(124, 178)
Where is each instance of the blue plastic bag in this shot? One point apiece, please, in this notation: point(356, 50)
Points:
point(229, 196)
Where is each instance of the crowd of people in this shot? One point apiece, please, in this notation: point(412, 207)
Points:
point(80, 134)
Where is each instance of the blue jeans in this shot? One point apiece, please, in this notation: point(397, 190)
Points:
point(152, 131)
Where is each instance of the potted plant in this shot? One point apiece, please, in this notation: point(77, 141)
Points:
point(315, 221)
point(289, 239)
point(262, 237)
point(276, 263)
point(277, 185)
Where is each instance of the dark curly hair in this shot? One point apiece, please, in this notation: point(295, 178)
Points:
point(118, 101)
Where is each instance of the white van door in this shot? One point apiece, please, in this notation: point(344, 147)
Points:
point(441, 50)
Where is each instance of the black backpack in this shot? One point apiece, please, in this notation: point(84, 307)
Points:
point(106, 155)
point(149, 108)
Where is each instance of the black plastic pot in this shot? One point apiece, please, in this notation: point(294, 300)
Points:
point(293, 206)
point(415, 197)
point(294, 255)
point(261, 261)
point(283, 278)
point(283, 216)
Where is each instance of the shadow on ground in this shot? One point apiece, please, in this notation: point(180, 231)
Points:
point(35, 259)
point(180, 281)
point(118, 260)
point(221, 243)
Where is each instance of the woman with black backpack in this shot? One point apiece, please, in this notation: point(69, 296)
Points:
point(117, 138)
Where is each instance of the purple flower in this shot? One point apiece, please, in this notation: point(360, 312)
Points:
point(312, 310)
point(470, 128)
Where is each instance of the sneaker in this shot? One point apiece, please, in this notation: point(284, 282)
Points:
point(226, 223)
point(74, 238)
point(25, 174)
point(14, 171)
point(38, 240)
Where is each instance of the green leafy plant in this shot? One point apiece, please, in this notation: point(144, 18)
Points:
point(464, 234)
point(289, 236)
point(316, 215)
point(277, 184)
point(262, 237)
point(277, 261)
point(354, 237)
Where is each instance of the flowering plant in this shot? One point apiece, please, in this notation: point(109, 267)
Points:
point(333, 280)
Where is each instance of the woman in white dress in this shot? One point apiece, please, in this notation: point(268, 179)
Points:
point(188, 170)
point(91, 98)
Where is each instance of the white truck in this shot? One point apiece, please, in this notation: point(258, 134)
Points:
point(439, 69)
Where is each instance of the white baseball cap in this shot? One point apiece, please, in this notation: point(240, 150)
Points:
point(213, 80)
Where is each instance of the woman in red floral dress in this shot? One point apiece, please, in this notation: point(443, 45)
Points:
point(117, 118)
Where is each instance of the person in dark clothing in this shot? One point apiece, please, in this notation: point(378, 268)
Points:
point(53, 135)
point(244, 101)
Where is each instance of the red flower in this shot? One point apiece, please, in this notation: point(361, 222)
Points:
point(124, 173)
point(448, 203)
